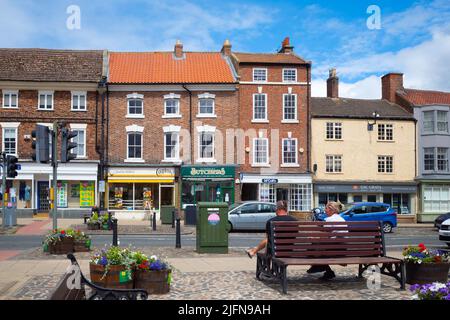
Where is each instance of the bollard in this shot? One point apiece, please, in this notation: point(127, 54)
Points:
point(154, 220)
point(178, 234)
point(114, 228)
point(173, 218)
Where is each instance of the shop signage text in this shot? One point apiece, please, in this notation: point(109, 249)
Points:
point(270, 181)
point(207, 172)
point(361, 188)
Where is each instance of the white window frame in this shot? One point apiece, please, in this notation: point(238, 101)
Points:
point(290, 69)
point(11, 125)
point(433, 130)
point(446, 159)
point(254, 163)
point(170, 97)
point(135, 129)
point(46, 93)
point(9, 93)
point(81, 127)
point(265, 120)
point(211, 130)
point(135, 96)
point(384, 159)
point(384, 136)
point(172, 130)
point(334, 158)
point(289, 164)
point(445, 122)
point(78, 94)
point(260, 69)
point(207, 96)
point(295, 120)
point(334, 127)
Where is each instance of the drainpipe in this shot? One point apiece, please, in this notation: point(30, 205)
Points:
point(190, 122)
point(308, 122)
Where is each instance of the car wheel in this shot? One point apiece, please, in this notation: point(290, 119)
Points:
point(387, 227)
point(230, 226)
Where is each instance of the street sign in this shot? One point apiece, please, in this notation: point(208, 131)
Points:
point(270, 181)
point(101, 186)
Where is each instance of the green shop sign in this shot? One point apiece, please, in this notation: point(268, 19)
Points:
point(207, 172)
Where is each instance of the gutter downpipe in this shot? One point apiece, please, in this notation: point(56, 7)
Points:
point(190, 122)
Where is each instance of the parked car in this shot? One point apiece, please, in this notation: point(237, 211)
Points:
point(250, 215)
point(444, 232)
point(371, 211)
point(438, 221)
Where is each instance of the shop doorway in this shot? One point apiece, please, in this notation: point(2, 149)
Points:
point(371, 198)
point(167, 197)
point(43, 204)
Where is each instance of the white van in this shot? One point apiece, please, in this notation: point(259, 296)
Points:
point(444, 232)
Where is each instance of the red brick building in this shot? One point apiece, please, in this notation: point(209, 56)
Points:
point(168, 114)
point(273, 152)
point(39, 87)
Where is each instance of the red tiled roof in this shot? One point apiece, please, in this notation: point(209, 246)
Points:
point(426, 97)
point(162, 67)
point(281, 58)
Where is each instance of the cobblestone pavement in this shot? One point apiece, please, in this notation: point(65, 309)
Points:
point(241, 285)
point(162, 252)
point(137, 229)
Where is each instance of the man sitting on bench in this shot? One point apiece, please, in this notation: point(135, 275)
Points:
point(332, 210)
point(282, 215)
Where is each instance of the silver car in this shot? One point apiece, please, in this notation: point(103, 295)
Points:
point(250, 215)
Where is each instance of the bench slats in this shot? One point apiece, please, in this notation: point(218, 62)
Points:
point(337, 261)
point(325, 234)
point(327, 246)
point(325, 228)
point(311, 253)
point(327, 240)
point(319, 223)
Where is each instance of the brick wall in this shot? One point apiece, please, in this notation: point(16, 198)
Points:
point(28, 115)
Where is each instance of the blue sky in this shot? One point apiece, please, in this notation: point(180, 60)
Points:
point(414, 37)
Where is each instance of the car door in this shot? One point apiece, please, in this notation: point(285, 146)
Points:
point(266, 211)
point(358, 213)
point(377, 213)
point(245, 217)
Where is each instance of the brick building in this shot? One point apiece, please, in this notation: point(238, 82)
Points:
point(157, 101)
point(431, 109)
point(39, 87)
point(273, 151)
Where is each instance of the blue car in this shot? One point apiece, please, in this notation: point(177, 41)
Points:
point(371, 211)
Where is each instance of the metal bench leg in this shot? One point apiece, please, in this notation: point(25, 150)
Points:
point(258, 266)
point(402, 275)
point(284, 278)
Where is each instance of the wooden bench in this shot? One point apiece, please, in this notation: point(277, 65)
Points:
point(326, 243)
point(72, 286)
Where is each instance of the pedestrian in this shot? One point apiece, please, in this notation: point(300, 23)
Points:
point(282, 215)
point(332, 210)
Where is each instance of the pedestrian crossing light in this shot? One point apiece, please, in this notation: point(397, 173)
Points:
point(11, 165)
point(67, 145)
point(41, 143)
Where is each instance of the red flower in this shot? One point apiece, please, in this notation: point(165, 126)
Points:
point(422, 247)
point(63, 232)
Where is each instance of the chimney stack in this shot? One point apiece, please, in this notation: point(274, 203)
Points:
point(390, 83)
point(178, 49)
point(286, 46)
point(226, 48)
point(333, 84)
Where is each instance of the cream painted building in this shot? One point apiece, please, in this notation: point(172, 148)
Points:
point(363, 150)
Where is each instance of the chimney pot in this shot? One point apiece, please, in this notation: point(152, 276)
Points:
point(178, 49)
point(226, 48)
point(333, 84)
point(286, 46)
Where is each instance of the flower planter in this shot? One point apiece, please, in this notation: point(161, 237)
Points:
point(82, 246)
point(116, 278)
point(64, 246)
point(154, 281)
point(93, 226)
point(424, 273)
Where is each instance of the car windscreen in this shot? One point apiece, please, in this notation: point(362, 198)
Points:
point(235, 205)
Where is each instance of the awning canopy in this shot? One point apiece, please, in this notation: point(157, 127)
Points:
point(277, 178)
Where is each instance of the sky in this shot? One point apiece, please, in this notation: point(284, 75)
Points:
point(412, 37)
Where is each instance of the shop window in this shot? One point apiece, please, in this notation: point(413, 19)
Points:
point(357, 198)
point(300, 197)
point(121, 196)
point(437, 198)
point(372, 198)
point(266, 192)
point(399, 202)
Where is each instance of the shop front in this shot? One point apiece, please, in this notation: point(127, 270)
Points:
point(435, 199)
point(76, 192)
point(207, 183)
point(296, 189)
point(134, 191)
point(401, 197)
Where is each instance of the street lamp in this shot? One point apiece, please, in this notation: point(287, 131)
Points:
point(370, 125)
point(101, 89)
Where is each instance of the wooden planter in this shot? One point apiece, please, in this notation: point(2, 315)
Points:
point(64, 246)
point(116, 277)
point(426, 272)
point(93, 226)
point(82, 246)
point(154, 281)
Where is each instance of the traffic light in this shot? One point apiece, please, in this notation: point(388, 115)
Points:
point(41, 144)
point(11, 166)
point(67, 145)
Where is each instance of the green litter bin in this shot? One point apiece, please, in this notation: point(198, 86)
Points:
point(166, 214)
point(212, 224)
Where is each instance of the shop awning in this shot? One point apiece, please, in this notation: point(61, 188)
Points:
point(115, 180)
